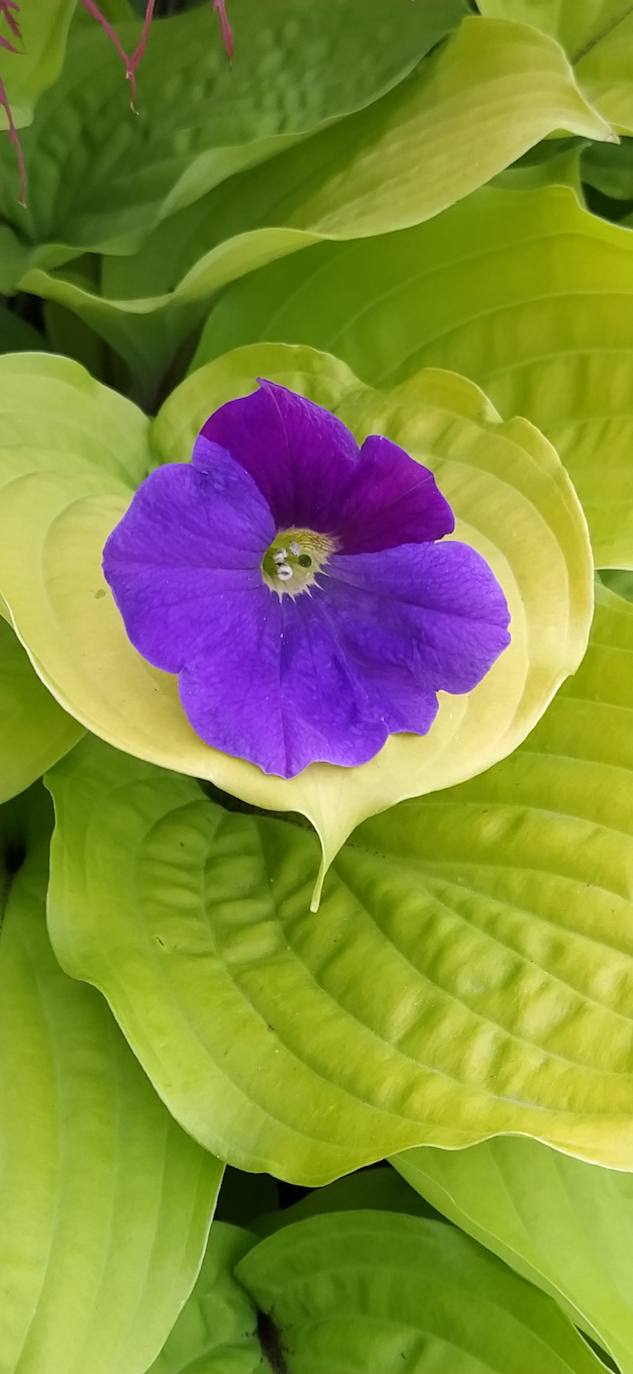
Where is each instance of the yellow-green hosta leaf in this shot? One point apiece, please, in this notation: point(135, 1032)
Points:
point(105, 1202)
point(366, 1291)
point(512, 499)
point(38, 61)
point(598, 37)
point(101, 177)
point(470, 971)
point(524, 291)
point(216, 1332)
point(399, 162)
point(34, 731)
point(566, 1226)
point(54, 417)
point(575, 26)
point(608, 168)
point(379, 1189)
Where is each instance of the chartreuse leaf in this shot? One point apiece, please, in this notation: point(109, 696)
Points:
point(380, 1189)
point(610, 169)
point(470, 971)
point(513, 501)
point(598, 37)
point(619, 581)
point(102, 178)
point(38, 61)
point(381, 1291)
point(105, 1202)
point(366, 1290)
point(360, 178)
point(526, 292)
point(565, 1225)
point(55, 418)
point(34, 731)
point(216, 1332)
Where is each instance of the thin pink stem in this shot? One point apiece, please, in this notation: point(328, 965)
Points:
point(112, 34)
point(225, 27)
point(130, 63)
point(6, 8)
point(142, 43)
point(137, 55)
point(15, 139)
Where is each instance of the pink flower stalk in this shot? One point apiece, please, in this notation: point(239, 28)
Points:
point(140, 48)
point(15, 139)
point(225, 27)
point(131, 64)
point(8, 11)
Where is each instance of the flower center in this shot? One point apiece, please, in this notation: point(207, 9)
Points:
point(293, 561)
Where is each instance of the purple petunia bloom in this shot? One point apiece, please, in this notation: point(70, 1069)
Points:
point(296, 585)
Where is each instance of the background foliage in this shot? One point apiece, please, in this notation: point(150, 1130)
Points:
point(394, 1135)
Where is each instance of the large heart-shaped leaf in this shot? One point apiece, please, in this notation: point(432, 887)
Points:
point(55, 418)
point(399, 162)
point(105, 1202)
point(371, 1290)
point(598, 37)
point(366, 1290)
point(470, 971)
point(566, 1226)
point(512, 499)
point(536, 308)
point(34, 731)
point(99, 177)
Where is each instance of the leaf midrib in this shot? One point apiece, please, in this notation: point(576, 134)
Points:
point(602, 34)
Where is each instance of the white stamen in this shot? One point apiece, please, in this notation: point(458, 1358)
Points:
point(295, 548)
point(284, 573)
point(280, 556)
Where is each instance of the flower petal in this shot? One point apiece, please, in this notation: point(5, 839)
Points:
point(189, 541)
point(338, 707)
point(391, 500)
point(436, 609)
point(276, 687)
point(230, 687)
point(300, 456)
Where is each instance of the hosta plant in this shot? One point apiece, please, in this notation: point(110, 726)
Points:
point(316, 687)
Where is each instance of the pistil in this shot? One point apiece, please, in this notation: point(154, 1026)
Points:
point(294, 559)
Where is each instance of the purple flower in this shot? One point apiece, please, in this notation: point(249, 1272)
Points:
point(296, 585)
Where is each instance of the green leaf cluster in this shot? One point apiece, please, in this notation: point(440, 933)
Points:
point(331, 1074)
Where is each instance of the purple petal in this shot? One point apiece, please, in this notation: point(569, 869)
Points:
point(435, 609)
point(391, 500)
point(340, 708)
point(283, 692)
point(191, 541)
point(300, 456)
point(329, 676)
point(229, 687)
